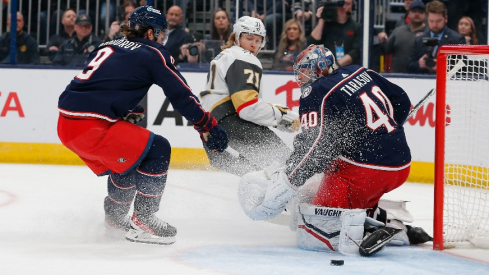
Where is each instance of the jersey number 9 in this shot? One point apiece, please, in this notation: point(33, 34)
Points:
point(101, 56)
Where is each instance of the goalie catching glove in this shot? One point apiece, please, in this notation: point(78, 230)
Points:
point(263, 196)
point(135, 115)
point(287, 120)
point(213, 136)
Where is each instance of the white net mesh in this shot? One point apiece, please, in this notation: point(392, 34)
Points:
point(466, 195)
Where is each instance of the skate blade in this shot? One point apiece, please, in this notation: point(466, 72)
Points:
point(143, 237)
point(114, 232)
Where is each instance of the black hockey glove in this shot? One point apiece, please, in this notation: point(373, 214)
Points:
point(213, 136)
point(135, 115)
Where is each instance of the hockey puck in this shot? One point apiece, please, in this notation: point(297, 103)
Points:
point(337, 262)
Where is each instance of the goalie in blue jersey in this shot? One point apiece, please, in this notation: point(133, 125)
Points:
point(352, 133)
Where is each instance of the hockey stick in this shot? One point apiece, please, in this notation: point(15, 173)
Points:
point(420, 104)
point(451, 73)
point(237, 155)
point(233, 152)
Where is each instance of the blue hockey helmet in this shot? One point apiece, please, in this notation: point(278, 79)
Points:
point(318, 62)
point(147, 16)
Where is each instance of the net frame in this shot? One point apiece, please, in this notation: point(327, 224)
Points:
point(473, 225)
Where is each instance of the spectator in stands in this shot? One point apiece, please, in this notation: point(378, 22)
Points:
point(74, 51)
point(111, 4)
point(343, 36)
point(191, 50)
point(27, 50)
point(220, 32)
point(292, 42)
point(221, 26)
point(270, 12)
point(303, 12)
point(422, 58)
point(401, 40)
point(68, 20)
point(466, 28)
point(177, 36)
point(128, 7)
point(404, 20)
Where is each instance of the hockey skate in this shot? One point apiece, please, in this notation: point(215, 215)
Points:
point(150, 229)
point(118, 223)
point(116, 227)
point(417, 235)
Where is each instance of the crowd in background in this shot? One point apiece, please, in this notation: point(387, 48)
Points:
point(403, 47)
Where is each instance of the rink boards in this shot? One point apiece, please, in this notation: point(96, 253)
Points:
point(28, 118)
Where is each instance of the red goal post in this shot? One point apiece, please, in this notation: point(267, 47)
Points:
point(461, 210)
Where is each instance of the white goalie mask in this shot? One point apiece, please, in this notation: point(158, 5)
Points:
point(250, 25)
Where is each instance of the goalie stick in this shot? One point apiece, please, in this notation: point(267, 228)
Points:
point(451, 73)
point(420, 104)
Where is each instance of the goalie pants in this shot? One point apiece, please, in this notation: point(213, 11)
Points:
point(259, 145)
point(350, 186)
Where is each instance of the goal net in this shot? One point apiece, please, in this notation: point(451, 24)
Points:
point(462, 147)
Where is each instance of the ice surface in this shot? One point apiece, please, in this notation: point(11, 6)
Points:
point(51, 222)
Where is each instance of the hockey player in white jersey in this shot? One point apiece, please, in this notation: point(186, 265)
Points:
point(233, 95)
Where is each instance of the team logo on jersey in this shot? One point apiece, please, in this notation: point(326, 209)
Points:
point(344, 75)
point(306, 91)
point(121, 160)
point(172, 60)
point(91, 48)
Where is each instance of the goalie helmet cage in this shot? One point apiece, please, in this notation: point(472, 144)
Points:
point(461, 211)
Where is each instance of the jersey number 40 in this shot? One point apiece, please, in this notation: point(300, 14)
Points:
point(375, 117)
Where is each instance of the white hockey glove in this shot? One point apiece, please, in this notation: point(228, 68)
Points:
point(135, 115)
point(264, 198)
point(287, 120)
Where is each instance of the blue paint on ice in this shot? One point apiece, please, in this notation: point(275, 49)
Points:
point(288, 260)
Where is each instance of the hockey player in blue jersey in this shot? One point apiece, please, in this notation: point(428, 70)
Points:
point(352, 131)
point(97, 112)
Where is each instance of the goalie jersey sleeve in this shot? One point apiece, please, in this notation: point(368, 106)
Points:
point(119, 74)
point(355, 115)
point(233, 87)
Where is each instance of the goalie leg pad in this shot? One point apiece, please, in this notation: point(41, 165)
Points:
point(401, 238)
point(396, 210)
point(352, 229)
point(305, 194)
point(393, 213)
point(318, 227)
